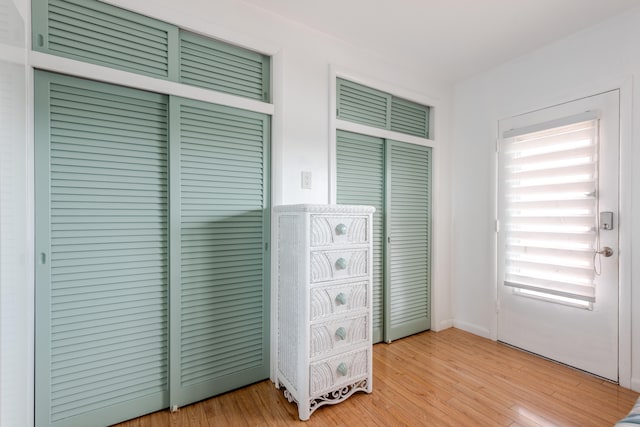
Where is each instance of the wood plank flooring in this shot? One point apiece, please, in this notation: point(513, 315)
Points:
point(448, 378)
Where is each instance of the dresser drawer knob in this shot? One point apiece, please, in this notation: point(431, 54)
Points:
point(341, 229)
point(341, 333)
point(341, 298)
point(342, 369)
point(341, 264)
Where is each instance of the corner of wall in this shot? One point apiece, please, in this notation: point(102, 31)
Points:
point(442, 325)
point(473, 329)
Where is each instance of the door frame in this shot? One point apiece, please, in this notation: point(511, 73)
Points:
point(440, 304)
point(625, 87)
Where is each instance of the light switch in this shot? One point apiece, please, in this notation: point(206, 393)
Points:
point(306, 180)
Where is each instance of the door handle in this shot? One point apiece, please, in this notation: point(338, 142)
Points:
point(606, 251)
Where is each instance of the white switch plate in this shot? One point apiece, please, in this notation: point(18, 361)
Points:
point(306, 180)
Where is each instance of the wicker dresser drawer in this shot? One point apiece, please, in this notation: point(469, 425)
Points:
point(338, 334)
point(342, 264)
point(339, 230)
point(337, 299)
point(332, 373)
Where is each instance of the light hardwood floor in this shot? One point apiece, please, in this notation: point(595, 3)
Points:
point(449, 378)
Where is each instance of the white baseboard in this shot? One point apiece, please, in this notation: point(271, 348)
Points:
point(442, 325)
point(635, 384)
point(471, 328)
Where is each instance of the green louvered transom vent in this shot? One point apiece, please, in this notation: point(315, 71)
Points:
point(360, 181)
point(99, 33)
point(102, 240)
point(361, 104)
point(409, 117)
point(214, 65)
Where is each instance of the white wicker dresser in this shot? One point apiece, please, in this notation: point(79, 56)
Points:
point(322, 331)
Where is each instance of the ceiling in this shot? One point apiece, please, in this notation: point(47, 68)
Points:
point(448, 39)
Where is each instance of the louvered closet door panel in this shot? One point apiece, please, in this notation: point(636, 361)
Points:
point(409, 229)
point(101, 248)
point(360, 181)
point(99, 33)
point(222, 321)
point(218, 66)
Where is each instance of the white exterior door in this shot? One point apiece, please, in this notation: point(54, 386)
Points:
point(558, 204)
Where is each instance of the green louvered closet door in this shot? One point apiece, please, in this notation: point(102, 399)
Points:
point(152, 251)
point(101, 252)
point(395, 178)
point(360, 181)
point(219, 313)
point(407, 296)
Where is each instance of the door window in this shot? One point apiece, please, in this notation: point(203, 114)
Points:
point(549, 179)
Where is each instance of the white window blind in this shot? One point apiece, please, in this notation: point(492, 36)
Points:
point(549, 207)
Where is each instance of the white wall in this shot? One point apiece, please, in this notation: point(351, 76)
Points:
point(301, 124)
point(600, 58)
point(16, 297)
point(303, 59)
point(303, 83)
